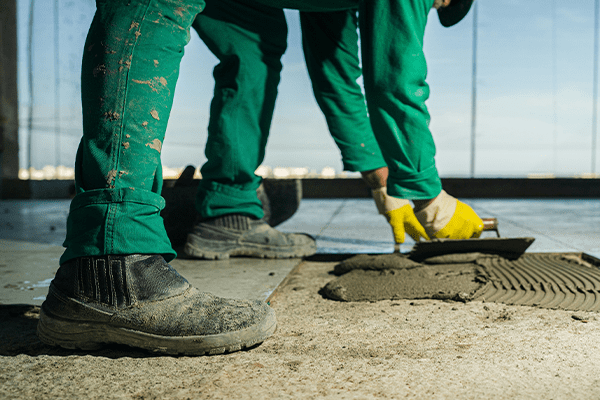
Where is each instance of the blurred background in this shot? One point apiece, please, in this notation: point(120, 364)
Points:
point(513, 94)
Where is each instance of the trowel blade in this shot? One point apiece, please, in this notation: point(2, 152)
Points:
point(506, 247)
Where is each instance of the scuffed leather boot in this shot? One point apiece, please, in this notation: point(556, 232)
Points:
point(141, 301)
point(238, 235)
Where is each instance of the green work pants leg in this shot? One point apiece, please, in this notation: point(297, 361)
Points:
point(249, 40)
point(130, 67)
point(394, 70)
point(330, 43)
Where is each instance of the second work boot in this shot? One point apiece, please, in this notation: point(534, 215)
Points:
point(141, 301)
point(239, 235)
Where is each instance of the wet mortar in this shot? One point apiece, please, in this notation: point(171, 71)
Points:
point(569, 281)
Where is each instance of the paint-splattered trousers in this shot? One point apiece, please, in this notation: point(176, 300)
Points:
point(130, 67)
point(249, 40)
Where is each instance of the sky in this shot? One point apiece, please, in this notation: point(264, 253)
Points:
point(534, 92)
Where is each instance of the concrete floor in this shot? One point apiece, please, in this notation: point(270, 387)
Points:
point(31, 234)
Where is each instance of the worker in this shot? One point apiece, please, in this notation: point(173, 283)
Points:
point(249, 39)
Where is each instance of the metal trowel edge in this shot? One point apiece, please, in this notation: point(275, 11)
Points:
point(506, 247)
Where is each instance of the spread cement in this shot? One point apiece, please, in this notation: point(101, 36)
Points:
point(558, 281)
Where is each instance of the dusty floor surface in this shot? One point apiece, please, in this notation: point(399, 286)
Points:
point(427, 349)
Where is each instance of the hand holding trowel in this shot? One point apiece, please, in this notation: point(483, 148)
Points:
point(444, 225)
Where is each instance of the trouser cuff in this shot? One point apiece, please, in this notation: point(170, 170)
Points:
point(117, 222)
point(422, 186)
point(215, 199)
point(359, 160)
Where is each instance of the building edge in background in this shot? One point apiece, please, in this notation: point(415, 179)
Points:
point(9, 105)
point(331, 188)
point(500, 188)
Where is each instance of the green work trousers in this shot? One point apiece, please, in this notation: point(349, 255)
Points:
point(249, 41)
point(130, 67)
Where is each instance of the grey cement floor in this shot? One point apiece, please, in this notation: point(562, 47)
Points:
point(31, 234)
point(31, 237)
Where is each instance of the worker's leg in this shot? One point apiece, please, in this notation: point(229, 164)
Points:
point(130, 67)
point(249, 40)
point(394, 71)
point(114, 285)
point(330, 43)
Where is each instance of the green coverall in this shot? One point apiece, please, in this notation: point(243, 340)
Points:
point(249, 40)
point(130, 67)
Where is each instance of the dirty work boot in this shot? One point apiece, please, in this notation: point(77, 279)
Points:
point(239, 235)
point(141, 301)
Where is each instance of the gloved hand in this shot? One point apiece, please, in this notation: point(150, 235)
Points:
point(400, 215)
point(446, 217)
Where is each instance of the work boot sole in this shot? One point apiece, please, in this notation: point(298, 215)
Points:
point(57, 331)
point(207, 249)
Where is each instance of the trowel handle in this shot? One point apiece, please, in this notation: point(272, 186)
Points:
point(490, 224)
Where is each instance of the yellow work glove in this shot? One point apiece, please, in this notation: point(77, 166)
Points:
point(446, 217)
point(400, 215)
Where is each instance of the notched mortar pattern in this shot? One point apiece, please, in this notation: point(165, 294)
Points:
point(548, 280)
point(558, 281)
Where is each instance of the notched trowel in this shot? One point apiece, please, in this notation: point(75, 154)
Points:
point(510, 248)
